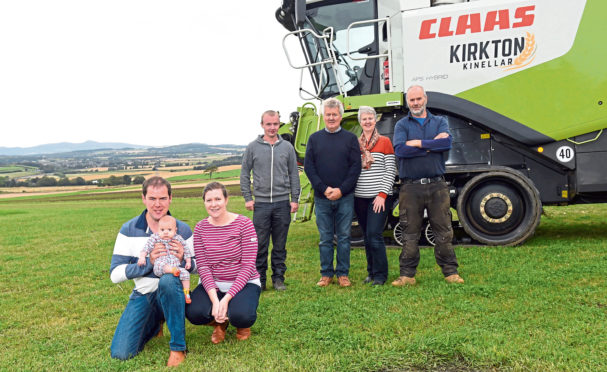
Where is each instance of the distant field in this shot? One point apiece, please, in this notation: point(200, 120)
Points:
point(205, 176)
point(15, 171)
point(11, 169)
point(174, 175)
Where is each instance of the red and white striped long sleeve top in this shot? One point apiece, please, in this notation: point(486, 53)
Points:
point(226, 253)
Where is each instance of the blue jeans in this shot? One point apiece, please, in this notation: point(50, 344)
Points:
point(372, 225)
point(334, 217)
point(141, 318)
point(242, 309)
point(272, 219)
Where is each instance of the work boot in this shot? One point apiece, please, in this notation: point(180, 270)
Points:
point(454, 279)
point(175, 358)
point(403, 281)
point(344, 281)
point(243, 333)
point(279, 285)
point(324, 281)
point(219, 333)
point(367, 280)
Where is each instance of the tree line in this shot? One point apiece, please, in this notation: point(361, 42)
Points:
point(46, 181)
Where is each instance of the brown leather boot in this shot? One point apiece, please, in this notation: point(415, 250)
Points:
point(175, 358)
point(219, 333)
point(243, 333)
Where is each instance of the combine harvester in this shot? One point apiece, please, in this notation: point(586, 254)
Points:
point(523, 84)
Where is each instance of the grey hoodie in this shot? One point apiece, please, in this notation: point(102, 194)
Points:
point(275, 173)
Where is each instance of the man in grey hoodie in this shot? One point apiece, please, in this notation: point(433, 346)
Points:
point(275, 176)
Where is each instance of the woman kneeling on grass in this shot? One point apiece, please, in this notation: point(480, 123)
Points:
point(225, 246)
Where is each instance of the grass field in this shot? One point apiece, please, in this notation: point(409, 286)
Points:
point(538, 307)
point(232, 173)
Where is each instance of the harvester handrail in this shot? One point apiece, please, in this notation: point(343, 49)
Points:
point(331, 59)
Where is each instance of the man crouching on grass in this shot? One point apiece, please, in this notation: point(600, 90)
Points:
point(154, 300)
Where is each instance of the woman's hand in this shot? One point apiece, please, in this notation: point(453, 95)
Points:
point(379, 204)
point(222, 309)
point(215, 302)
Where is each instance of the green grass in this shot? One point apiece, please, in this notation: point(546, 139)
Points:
point(541, 306)
point(11, 169)
point(205, 176)
point(16, 171)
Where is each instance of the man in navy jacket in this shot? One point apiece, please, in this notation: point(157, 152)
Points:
point(420, 141)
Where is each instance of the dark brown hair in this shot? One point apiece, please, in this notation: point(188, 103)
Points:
point(215, 186)
point(155, 181)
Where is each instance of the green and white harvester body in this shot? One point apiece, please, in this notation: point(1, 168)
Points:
point(523, 84)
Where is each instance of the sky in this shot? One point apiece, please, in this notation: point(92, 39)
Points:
point(144, 72)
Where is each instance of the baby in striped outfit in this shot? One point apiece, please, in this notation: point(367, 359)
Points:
point(169, 264)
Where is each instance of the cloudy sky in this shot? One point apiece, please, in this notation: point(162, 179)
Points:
point(145, 72)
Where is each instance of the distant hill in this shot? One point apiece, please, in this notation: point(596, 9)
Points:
point(196, 148)
point(68, 147)
point(54, 148)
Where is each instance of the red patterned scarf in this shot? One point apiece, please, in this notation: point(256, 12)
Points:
point(365, 146)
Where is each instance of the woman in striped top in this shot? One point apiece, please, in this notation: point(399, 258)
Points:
point(225, 246)
point(373, 187)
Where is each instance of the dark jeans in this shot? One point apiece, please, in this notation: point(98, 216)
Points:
point(242, 309)
point(140, 320)
point(272, 219)
point(434, 197)
point(334, 218)
point(372, 225)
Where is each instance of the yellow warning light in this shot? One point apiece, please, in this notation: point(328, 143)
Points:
point(564, 194)
point(485, 136)
point(540, 149)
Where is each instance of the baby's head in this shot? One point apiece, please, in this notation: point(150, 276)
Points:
point(167, 227)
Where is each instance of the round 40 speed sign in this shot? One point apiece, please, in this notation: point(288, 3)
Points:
point(565, 154)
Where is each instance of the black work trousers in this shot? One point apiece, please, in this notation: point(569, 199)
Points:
point(413, 199)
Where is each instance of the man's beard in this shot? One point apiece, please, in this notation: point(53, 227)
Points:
point(418, 111)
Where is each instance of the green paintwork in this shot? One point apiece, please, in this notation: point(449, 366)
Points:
point(559, 98)
point(377, 101)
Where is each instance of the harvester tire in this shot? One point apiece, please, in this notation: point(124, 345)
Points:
point(499, 208)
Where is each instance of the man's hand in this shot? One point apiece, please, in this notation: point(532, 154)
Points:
point(414, 143)
point(335, 194)
point(294, 207)
point(159, 250)
point(442, 135)
point(250, 205)
point(176, 249)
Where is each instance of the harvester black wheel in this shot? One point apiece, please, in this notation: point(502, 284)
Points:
point(499, 208)
point(427, 235)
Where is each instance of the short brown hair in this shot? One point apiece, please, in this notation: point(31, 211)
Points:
point(270, 113)
point(215, 186)
point(155, 181)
